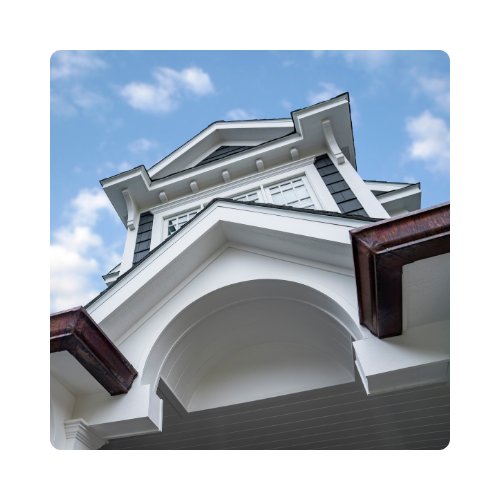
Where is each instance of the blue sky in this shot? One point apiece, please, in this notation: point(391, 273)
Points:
point(114, 110)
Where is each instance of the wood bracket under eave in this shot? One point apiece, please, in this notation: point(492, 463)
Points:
point(76, 332)
point(331, 142)
point(131, 209)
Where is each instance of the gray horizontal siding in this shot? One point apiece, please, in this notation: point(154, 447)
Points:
point(341, 417)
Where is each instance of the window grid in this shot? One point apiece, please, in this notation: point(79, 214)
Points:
point(248, 197)
point(293, 194)
point(179, 221)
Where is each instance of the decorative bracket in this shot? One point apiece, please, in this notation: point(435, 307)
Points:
point(331, 142)
point(226, 176)
point(131, 209)
point(294, 154)
point(194, 187)
point(163, 197)
point(260, 165)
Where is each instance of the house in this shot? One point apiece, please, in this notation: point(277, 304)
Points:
point(268, 297)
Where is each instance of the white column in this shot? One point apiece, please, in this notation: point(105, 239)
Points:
point(79, 436)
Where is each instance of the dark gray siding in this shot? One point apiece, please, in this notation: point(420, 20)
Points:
point(339, 189)
point(222, 152)
point(143, 241)
point(341, 417)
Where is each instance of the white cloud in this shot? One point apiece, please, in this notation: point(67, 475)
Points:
point(78, 253)
point(368, 59)
point(67, 63)
point(141, 145)
point(165, 95)
point(330, 90)
point(438, 89)
point(430, 138)
point(239, 114)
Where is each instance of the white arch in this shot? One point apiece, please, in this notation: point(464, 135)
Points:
point(181, 342)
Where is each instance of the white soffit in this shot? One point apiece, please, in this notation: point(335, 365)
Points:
point(73, 375)
point(420, 356)
point(426, 291)
point(408, 198)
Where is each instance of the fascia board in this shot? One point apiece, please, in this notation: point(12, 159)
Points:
point(315, 109)
point(386, 186)
point(225, 162)
point(213, 129)
point(408, 198)
point(396, 194)
point(139, 171)
point(155, 186)
point(316, 226)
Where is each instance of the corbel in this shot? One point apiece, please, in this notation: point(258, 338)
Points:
point(294, 154)
point(163, 197)
point(331, 142)
point(226, 176)
point(131, 209)
point(194, 187)
point(260, 165)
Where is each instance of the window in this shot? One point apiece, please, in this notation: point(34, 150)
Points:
point(177, 222)
point(292, 194)
point(249, 197)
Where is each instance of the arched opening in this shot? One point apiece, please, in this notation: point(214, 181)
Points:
point(251, 341)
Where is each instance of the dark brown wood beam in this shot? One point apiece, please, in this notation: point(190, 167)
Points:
point(76, 332)
point(380, 251)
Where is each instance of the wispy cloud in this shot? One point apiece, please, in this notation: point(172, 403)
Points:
point(430, 141)
point(85, 98)
point(61, 106)
point(438, 89)
point(78, 254)
point(169, 89)
point(239, 114)
point(329, 90)
point(119, 167)
point(369, 60)
point(286, 104)
point(70, 63)
point(142, 145)
point(410, 179)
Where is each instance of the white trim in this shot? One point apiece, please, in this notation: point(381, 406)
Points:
point(280, 123)
point(80, 436)
point(213, 192)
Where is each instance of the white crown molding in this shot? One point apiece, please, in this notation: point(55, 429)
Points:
point(79, 430)
point(213, 192)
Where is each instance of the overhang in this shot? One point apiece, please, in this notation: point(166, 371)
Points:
point(303, 132)
point(77, 333)
point(381, 250)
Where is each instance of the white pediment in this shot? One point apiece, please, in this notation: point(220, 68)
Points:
point(239, 133)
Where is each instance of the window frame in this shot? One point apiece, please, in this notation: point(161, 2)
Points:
point(257, 191)
point(167, 218)
point(310, 191)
